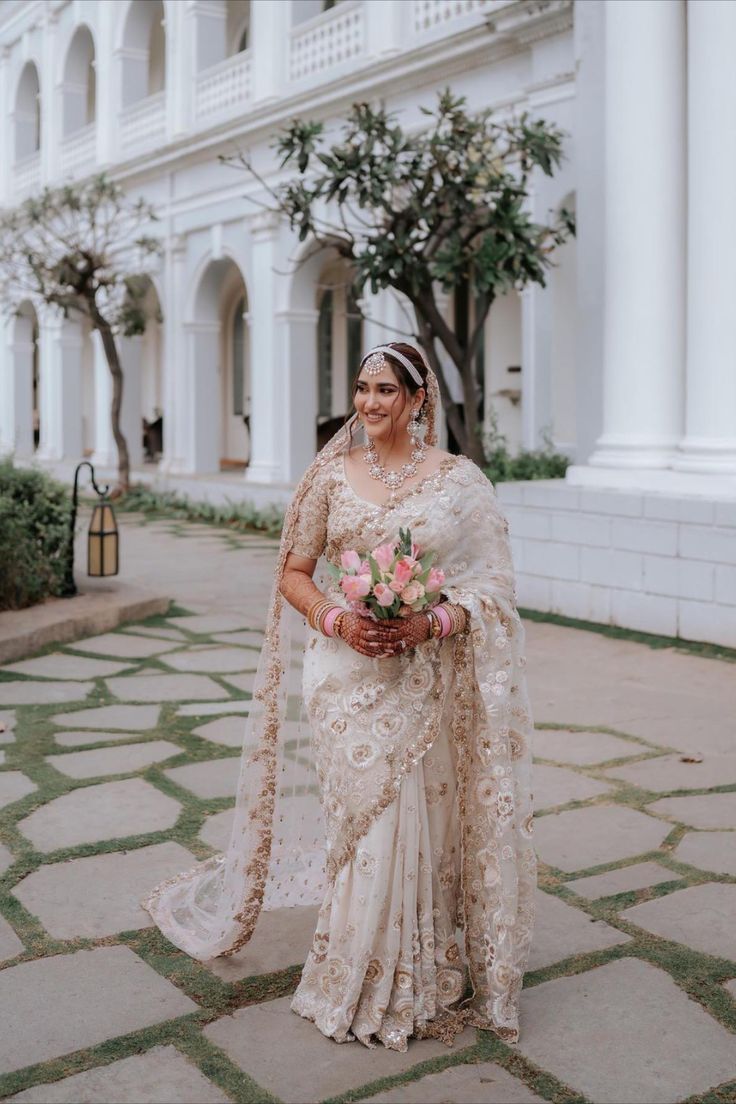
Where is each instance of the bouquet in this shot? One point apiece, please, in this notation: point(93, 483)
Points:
point(393, 580)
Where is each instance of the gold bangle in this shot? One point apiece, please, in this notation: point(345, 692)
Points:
point(315, 610)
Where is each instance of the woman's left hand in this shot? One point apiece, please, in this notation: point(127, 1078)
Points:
point(408, 632)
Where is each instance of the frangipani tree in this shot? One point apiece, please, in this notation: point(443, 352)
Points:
point(84, 249)
point(444, 207)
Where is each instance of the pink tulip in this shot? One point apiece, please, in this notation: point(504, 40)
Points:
point(384, 556)
point(355, 587)
point(365, 568)
point(435, 579)
point(403, 571)
point(415, 551)
point(384, 594)
point(397, 585)
point(350, 560)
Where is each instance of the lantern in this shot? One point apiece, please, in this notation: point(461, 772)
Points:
point(102, 541)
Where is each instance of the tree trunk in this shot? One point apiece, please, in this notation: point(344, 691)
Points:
point(113, 362)
point(474, 442)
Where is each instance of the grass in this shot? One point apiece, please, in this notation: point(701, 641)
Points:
point(698, 975)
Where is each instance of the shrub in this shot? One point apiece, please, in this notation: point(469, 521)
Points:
point(34, 536)
point(243, 517)
point(502, 467)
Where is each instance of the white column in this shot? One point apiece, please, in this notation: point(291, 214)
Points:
point(269, 426)
point(7, 129)
point(297, 429)
point(107, 104)
point(51, 101)
point(386, 27)
point(131, 416)
point(269, 45)
point(644, 234)
point(60, 382)
point(20, 379)
point(174, 359)
point(202, 416)
point(710, 420)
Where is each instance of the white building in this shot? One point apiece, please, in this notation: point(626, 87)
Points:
point(624, 359)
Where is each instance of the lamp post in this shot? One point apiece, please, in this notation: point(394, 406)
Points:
point(102, 539)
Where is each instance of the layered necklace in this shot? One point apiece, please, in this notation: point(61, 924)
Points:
point(394, 479)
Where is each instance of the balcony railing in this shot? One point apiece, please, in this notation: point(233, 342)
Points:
point(327, 41)
point(429, 14)
point(27, 176)
point(79, 152)
point(143, 125)
point(224, 89)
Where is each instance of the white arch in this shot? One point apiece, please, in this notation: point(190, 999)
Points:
point(222, 431)
point(27, 114)
point(79, 84)
point(142, 47)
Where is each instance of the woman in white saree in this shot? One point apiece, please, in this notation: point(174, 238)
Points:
point(420, 743)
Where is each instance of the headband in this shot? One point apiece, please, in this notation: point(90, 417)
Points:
point(373, 362)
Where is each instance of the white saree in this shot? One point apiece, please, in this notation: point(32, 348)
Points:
point(422, 858)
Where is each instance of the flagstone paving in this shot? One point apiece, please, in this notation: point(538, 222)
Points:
point(89, 736)
point(622, 880)
point(158, 688)
point(557, 786)
point(479, 1083)
point(160, 1076)
point(13, 786)
point(716, 810)
point(580, 838)
point(99, 895)
point(110, 810)
point(122, 645)
point(124, 759)
point(666, 773)
point(61, 666)
point(53, 1006)
point(646, 1040)
point(211, 659)
point(29, 692)
point(631, 994)
point(700, 916)
point(128, 718)
point(714, 851)
point(582, 749)
point(226, 730)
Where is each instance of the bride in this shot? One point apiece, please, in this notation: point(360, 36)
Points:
point(420, 748)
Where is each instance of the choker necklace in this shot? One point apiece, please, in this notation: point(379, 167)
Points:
point(394, 479)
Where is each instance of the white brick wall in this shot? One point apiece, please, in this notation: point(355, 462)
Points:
point(651, 562)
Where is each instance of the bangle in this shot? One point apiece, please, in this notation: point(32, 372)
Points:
point(316, 611)
point(337, 623)
point(328, 623)
point(435, 625)
point(444, 617)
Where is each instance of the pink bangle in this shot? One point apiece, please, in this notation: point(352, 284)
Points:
point(328, 623)
point(445, 620)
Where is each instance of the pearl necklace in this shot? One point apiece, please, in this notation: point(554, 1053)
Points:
point(393, 479)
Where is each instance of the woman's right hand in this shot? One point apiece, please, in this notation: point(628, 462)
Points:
point(377, 639)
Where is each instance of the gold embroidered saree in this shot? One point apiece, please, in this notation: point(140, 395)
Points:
point(400, 802)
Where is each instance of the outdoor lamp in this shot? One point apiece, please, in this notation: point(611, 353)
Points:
point(102, 540)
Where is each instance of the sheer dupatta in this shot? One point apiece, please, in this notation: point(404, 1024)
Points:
point(275, 856)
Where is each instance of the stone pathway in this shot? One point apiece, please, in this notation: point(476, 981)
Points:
point(120, 761)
